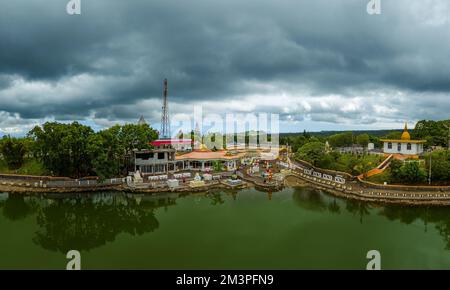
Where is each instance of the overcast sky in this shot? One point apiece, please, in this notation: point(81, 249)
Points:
point(320, 64)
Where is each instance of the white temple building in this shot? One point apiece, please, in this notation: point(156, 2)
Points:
point(404, 145)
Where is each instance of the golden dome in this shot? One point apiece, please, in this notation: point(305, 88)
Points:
point(405, 134)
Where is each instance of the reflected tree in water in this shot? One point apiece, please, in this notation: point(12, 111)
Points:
point(358, 208)
point(334, 207)
point(17, 208)
point(216, 198)
point(309, 199)
point(439, 216)
point(406, 215)
point(85, 223)
point(234, 194)
point(443, 228)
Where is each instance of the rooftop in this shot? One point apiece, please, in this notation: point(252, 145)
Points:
point(212, 155)
point(171, 142)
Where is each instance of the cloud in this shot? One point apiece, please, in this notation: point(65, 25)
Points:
point(309, 61)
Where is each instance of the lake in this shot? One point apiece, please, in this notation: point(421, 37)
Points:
point(297, 228)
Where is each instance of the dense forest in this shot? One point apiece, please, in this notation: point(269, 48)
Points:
point(73, 150)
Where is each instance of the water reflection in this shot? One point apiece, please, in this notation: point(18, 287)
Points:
point(358, 208)
point(310, 199)
point(216, 198)
point(439, 217)
point(16, 208)
point(85, 222)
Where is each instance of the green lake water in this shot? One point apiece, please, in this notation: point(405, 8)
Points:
point(297, 228)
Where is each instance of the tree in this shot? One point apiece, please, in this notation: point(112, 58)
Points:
point(363, 140)
point(63, 148)
point(75, 150)
point(311, 152)
point(108, 147)
point(352, 165)
point(341, 139)
point(396, 166)
point(297, 141)
point(376, 141)
point(412, 172)
point(106, 152)
point(327, 161)
point(363, 167)
point(306, 135)
point(435, 132)
point(440, 165)
point(393, 135)
point(137, 136)
point(13, 151)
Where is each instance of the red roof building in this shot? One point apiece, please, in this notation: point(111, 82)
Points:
point(162, 142)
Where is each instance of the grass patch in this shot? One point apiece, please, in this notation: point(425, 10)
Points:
point(349, 163)
point(30, 167)
point(381, 178)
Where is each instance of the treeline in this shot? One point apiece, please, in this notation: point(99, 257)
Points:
point(344, 139)
point(435, 132)
point(75, 150)
point(325, 134)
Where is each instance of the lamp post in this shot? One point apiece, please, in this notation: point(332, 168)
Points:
point(429, 173)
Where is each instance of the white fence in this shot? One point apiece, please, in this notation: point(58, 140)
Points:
point(85, 183)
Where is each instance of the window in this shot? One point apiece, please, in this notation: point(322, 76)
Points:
point(144, 156)
point(408, 146)
point(399, 146)
point(160, 155)
point(389, 145)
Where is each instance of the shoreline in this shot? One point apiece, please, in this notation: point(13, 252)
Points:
point(379, 200)
point(299, 182)
point(348, 186)
point(117, 188)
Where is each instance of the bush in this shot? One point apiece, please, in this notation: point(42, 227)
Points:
point(440, 165)
point(412, 172)
point(312, 152)
point(13, 151)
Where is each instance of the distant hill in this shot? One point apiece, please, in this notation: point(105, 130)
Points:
point(378, 133)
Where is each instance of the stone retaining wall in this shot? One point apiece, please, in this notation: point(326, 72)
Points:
point(371, 185)
point(333, 173)
point(32, 177)
point(367, 184)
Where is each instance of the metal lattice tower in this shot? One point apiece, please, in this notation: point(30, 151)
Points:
point(165, 122)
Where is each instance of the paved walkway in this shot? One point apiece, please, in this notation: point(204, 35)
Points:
point(379, 169)
point(357, 189)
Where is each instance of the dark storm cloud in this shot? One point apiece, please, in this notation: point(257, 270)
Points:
point(211, 50)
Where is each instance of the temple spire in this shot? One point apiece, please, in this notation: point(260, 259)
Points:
point(142, 121)
point(405, 134)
